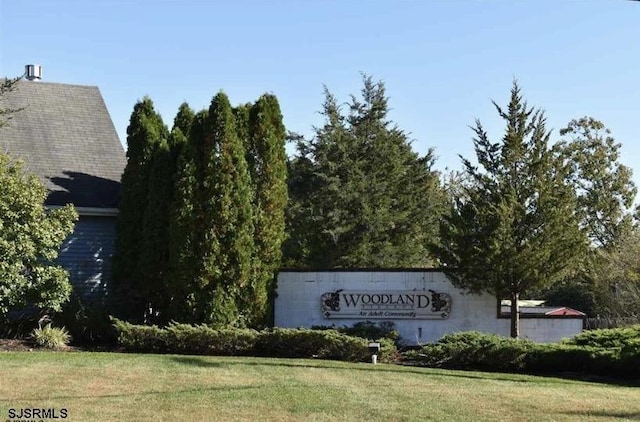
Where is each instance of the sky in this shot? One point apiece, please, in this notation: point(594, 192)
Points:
point(442, 62)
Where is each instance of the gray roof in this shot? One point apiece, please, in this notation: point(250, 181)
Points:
point(65, 136)
point(542, 310)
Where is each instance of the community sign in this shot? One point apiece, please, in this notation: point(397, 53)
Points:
point(420, 304)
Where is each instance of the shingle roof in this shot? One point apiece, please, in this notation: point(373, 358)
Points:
point(65, 135)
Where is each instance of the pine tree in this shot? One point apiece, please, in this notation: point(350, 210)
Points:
point(514, 228)
point(360, 197)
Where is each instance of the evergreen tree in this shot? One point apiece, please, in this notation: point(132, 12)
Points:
point(212, 235)
point(360, 197)
point(268, 171)
point(228, 236)
point(183, 119)
point(145, 132)
point(155, 252)
point(514, 228)
point(186, 228)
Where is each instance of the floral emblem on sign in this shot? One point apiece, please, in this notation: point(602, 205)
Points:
point(440, 302)
point(330, 302)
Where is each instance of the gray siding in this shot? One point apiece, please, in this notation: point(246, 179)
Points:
point(87, 254)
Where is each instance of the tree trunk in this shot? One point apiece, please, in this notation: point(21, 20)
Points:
point(515, 315)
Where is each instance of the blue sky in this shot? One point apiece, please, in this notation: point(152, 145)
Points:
point(442, 61)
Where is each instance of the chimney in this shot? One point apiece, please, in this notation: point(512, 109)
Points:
point(33, 72)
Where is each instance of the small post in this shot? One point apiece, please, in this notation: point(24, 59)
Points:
point(374, 349)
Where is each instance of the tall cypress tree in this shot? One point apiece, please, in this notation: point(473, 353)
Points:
point(155, 252)
point(187, 221)
point(145, 132)
point(268, 169)
point(183, 119)
point(212, 233)
point(228, 234)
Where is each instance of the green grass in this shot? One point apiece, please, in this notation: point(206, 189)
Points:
point(138, 387)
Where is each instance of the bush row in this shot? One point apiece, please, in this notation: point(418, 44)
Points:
point(608, 338)
point(276, 342)
point(366, 329)
point(488, 352)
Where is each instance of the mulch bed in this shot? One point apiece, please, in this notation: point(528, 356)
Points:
point(10, 345)
point(20, 345)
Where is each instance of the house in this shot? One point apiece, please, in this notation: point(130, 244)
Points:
point(65, 136)
point(422, 303)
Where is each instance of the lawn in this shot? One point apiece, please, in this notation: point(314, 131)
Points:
point(138, 387)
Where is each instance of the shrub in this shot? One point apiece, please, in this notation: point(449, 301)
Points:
point(473, 350)
point(87, 322)
point(304, 343)
point(607, 338)
point(488, 352)
point(202, 339)
point(323, 344)
point(277, 342)
point(140, 338)
point(559, 358)
point(367, 330)
point(51, 337)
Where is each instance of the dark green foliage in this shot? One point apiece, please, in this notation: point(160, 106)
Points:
point(184, 119)
point(213, 221)
point(88, 323)
point(187, 339)
point(474, 350)
point(577, 292)
point(154, 254)
point(560, 358)
point(268, 170)
point(228, 216)
point(368, 330)
point(228, 196)
point(609, 353)
point(140, 338)
point(360, 197)
point(186, 222)
point(201, 339)
point(514, 227)
point(133, 282)
point(156, 237)
point(278, 342)
point(201, 242)
point(301, 343)
point(609, 338)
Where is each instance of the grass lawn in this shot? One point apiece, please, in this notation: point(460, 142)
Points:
point(137, 387)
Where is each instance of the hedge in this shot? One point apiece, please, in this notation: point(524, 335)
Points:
point(610, 353)
point(276, 342)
